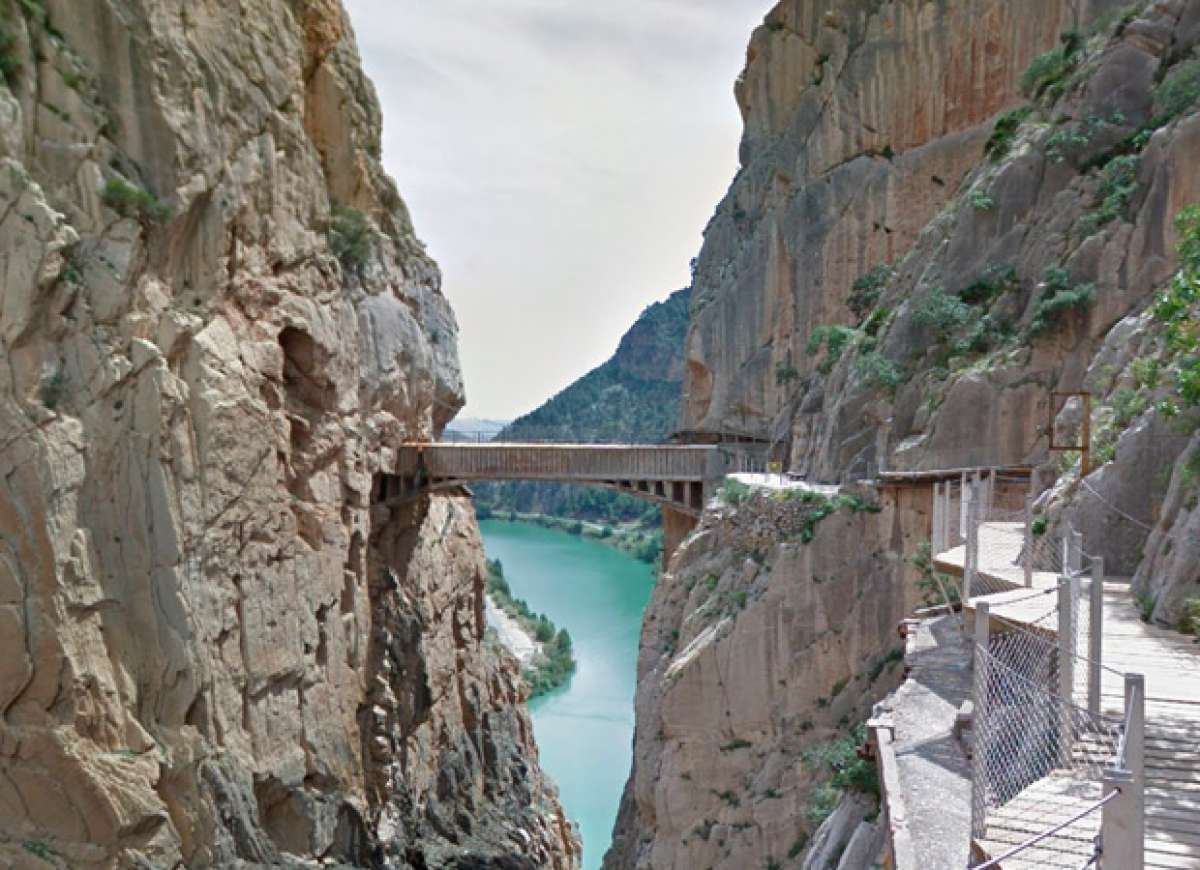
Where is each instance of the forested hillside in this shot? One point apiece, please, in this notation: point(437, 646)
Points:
point(632, 397)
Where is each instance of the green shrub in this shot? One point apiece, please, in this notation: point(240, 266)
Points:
point(867, 289)
point(1039, 525)
point(875, 321)
point(935, 588)
point(1004, 132)
point(734, 745)
point(10, 62)
point(1059, 297)
point(822, 801)
point(879, 372)
point(1177, 308)
point(555, 662)
point(835, 339)
point(991, 283)
point(1145, 372)
point(733, 492)
point(39, 849)
point(797, 847)
point(1067, 138)
point(350, 237)
point(1118, 184)
point(986, 334)
point(1127, 406)
point(133, 202)
point(877, 669)
point(1146, 604)
point(848, 771)
point(941, 313)
point(785, 374)
point(981, 200)
point(1051, 67)
point(1177, 92)
point(52, 389)
point(1189, 621)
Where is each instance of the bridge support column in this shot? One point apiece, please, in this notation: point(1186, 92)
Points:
point(676, 526)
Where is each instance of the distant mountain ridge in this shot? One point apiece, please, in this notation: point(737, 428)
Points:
point(632, 397)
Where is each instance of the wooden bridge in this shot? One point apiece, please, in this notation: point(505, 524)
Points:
point(678, 477)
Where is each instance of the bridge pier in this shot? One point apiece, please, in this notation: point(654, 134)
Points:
point(677, 525)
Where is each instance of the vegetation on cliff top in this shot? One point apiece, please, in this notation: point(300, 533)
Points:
point(554, 662)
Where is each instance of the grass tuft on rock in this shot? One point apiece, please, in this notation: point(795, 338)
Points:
point(133, 202)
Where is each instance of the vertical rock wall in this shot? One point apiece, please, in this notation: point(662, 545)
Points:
point(216, 324)
point(861, 119)
point(1030, 267)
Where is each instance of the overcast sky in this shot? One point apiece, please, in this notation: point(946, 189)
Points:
point(560, 159)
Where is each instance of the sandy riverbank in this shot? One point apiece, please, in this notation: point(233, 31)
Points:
point(511, 634)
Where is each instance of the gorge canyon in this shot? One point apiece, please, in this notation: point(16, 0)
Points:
point(221, 646)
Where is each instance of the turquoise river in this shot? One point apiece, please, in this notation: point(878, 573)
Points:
point(584, 730)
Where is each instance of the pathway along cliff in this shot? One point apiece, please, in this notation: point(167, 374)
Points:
point(584, 731)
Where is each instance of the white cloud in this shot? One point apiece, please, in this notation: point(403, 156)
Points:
point(560, 159)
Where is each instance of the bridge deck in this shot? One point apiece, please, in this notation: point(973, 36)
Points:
point(583, 462)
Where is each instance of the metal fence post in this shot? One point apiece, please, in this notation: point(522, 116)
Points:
point(1027, 549)
point(979, 723)
point(971, 557)
point(1066, 667)
point(1095, 635)
point(1076, 551)
point(1123, 822)
point(962, 505)
point(1135, 746)
point(1120, 837)
point(936, 539)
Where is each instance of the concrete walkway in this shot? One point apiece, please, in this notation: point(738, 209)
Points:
point(934, 772)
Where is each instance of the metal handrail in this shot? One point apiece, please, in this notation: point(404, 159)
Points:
point(1033, 841)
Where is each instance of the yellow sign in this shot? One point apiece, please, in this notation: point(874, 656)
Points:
point(775, 467)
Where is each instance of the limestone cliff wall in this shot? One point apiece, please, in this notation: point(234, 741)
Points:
point(756, 645)
point(878, 288)
point(217, 322)
point(936, 224)
point(861, 119)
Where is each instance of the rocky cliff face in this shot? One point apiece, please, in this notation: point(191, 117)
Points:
point(944, 213)
point(943, 216)
point(861, 119)
point(769, 633)
point(217, 322)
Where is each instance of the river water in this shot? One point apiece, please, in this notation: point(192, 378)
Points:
point(585, 729)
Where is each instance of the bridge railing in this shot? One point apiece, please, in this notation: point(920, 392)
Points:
point(562, 462)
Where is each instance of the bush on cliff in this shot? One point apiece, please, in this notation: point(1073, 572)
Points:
point(1048, 70)
point(133, 202)
point(839, 759)
point(1059, 298)
point(350, 237)
point(1179, 309)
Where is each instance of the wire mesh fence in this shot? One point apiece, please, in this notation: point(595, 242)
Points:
point(1039, 756)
